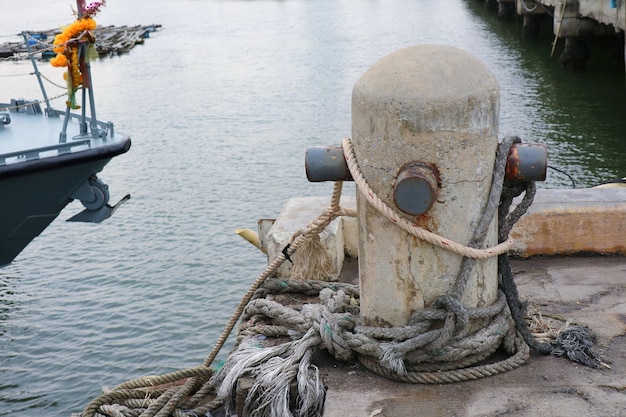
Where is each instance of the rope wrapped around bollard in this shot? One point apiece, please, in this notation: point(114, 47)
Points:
point(437, 345)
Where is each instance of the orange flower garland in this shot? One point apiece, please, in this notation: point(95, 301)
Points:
point(66, 48)
point(62, 39)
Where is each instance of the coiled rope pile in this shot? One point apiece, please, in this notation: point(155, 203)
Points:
point(437, 346)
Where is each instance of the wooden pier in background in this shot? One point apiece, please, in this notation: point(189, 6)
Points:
point(110, 40)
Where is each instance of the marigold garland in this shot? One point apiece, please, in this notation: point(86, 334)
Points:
point(66, 46)
point(70, 31)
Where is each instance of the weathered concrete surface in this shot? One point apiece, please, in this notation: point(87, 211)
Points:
point(437, 106)
point(298, 213)
point(562, 222)
point(589, 290)
point(570, 20)
point(577, 17)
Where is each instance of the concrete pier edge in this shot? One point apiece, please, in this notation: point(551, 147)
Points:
point(559, 222)
point(589, 290)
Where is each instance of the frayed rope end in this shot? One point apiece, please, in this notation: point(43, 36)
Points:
point(578, 343)
point(311, 261)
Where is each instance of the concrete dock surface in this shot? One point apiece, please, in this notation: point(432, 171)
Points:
point(587, 290)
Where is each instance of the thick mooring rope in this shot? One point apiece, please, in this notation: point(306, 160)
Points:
point(437, 346)
point(166, 403)
point(337, 323)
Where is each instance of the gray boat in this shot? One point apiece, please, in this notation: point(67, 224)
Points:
point(49, 158)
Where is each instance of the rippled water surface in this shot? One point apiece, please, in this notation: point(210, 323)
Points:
point(221, 104)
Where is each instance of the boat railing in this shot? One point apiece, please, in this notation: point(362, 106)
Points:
point(33, 61)
point(99, 129)
point(84, 121)
point(43, 151)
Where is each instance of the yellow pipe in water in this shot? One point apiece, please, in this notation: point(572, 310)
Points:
point(251, 236)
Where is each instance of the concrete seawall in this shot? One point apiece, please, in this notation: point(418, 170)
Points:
point(572, 20)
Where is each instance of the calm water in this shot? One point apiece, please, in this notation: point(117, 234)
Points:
point(221, 104)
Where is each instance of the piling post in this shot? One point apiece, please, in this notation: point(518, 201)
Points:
point(424, 121)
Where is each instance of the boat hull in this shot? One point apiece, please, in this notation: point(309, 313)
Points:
point(35, 192)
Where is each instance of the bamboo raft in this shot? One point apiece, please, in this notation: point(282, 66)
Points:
point(110, 40)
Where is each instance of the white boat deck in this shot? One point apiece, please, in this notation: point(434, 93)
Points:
point(30, 134)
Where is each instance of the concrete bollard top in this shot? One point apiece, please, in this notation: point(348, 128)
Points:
point(434, 78)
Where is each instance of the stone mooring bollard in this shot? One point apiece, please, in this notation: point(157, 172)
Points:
point(425, 136)
point(424, 122)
